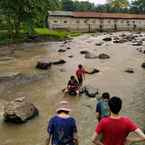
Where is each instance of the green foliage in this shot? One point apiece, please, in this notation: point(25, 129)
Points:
point(138, 6)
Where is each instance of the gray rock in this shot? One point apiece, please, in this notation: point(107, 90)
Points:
point(90, 56)
point(61, 50)
point(107, 39)
point(143, 65)
point(19, 111)
point(91, 91)
point(99, 44)
point(103, 56)
point(57, 62)
point(9, 76)
point(43, 64)
point(129, 70)
point(138, 43)
point(94, 71)
point(68, 48)
point(84, 52)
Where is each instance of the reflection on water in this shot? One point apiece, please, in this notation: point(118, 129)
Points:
point(45, 93)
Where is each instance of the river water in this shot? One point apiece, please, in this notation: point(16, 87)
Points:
point(46, 92)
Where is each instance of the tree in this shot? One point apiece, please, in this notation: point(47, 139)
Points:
point(138, 6)
point(67, 5)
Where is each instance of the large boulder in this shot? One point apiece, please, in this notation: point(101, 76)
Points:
point(61, 50)
point(94, 71)
point(107, 39)
point(84, 52)
point(138, 43)
point(143, 65)
point(9, 76)
point(90, 56)
point(103, 56)
point(90, 91)
point(129, 70)
point(19, 111)
point(57, 62)
point(43, 64)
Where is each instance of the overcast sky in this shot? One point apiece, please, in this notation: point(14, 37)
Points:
point(97, 1)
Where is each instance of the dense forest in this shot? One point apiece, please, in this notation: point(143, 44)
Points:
point(25, 15)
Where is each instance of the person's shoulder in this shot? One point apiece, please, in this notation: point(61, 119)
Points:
point(105, 120)
point(126, 119)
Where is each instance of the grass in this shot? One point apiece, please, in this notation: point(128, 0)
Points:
point(41, 32)
point(58, 34)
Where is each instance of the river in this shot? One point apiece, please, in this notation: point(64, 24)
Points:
point(46, 92)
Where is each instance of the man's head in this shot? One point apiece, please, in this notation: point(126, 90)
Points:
point(106, 95)
point(80, 66)
point(63, 107)
point(115, 104)
point(72, 77)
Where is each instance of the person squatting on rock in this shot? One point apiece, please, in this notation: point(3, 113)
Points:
point(102, 108)
point(80, 73)
point(62, 129)
point(115, 128)
point(72, 86)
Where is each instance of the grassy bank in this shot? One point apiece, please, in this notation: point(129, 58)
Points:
point(40, 34)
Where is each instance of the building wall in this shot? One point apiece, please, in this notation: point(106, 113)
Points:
point(94, 24)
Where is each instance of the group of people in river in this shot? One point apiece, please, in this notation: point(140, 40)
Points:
point(111, 129)
point(74, 85)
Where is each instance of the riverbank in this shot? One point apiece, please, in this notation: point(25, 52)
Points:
point(39, 35)
point(43, 87)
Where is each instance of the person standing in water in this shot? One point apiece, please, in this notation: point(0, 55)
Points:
point(80, 73)
point(115, 128)
point(62, 129)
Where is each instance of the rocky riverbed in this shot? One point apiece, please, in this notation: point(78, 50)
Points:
point(20, 78)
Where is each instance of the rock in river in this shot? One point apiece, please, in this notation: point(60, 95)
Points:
point(90, 91)
point(103, 56)
point(143, 65)
point(19, 111)
point(107, 39)
point(90, 56)
point(56, 62)
point(129, 70)
point(43, 64)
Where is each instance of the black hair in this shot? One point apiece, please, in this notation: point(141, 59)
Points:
point(115, 104)
point(72, 77)
point(106, 95)
point(80, 66)
point(62, 111)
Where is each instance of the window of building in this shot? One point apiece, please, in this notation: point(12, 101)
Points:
point(65, 22)
point(55, 21)
point(93, 21)
point(85, 21)
point(109, 21)
point(78, 21)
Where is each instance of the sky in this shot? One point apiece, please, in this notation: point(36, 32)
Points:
point(97, 1)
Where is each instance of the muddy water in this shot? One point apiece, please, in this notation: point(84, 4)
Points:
point(45, 93)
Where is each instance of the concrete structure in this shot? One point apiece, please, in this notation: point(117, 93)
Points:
point(93, 21)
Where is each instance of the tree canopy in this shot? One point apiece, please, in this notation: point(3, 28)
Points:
point(26, 14)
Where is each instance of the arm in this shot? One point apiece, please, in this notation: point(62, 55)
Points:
point(98, 115)
point(140, 137)
point(95, 139)
point(48, 140)
point(75, 139)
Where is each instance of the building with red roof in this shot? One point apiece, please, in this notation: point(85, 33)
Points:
point(94, 21)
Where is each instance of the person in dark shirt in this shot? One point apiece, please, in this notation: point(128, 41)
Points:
point(62, 129)
point(102, 107)
point(72, 86)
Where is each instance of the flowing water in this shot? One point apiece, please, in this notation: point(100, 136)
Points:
point(46, 92)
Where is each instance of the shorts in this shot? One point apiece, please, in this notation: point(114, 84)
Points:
point(80, 80)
